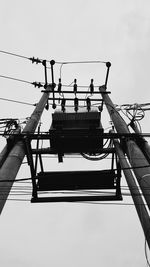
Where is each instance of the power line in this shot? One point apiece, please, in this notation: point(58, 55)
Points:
point(34, 60)
point(81, 62)
point(41, 84)
point(37, 60)
point(79, 202)
point(27, 189)
point(16, 199)
point(13, 54)
point(15, 79)
point(57, 62)
point(16, 180)
point(16, 101)
point(36, 84)
point(79, 86)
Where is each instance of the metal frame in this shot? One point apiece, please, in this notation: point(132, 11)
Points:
point(30, 152)
point(39, 152)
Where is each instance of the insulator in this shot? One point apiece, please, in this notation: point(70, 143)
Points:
point(37, 84)
point(59, 86)
point(76, 104)
point(54, 106)
point(88, 103)
point(63, 103)
point(91, 87)
point(35, 60)
point(75, 86)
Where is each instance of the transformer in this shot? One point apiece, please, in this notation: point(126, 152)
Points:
point(76, 132)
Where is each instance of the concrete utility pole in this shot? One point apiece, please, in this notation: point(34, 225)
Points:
point(145, 147)
point(4, 153)
point(135, 193)
point(14, 160)
point(136, 157)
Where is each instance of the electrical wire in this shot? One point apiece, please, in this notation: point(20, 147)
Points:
point(134, 113)
point(146, 256)
point(16, 101)
point(16, 199)
point(26, 192)
point(106, 203)
point(23, 184)
point(13, 54)
point(132, 106)
point(78, 202)
point(97, 156)
point(79, 86)
point(57, 62)
point(76, 62)
point(94, 158)
point(36, 84)
point(16, 180)
point(80, 62)
point(15, 79)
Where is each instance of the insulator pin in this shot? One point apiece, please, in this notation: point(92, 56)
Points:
point(88, 103)
point(76, 104)
point(75, 86)
point(59, 86)
point(63, 103)
point(91, 87)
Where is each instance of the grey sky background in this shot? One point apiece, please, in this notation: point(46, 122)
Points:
point(118, 31)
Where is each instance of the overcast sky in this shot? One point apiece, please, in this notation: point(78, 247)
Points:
point(118, 31)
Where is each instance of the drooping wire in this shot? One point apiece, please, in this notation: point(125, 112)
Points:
point(134, 113)
point(77, 62)
point(97, 156)
point(138, 113)
point(9, 126)
point(137, 110)
point(80, 62)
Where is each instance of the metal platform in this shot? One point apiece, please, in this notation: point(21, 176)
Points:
point(80, 185)
point(76, 180)
point(80, 133)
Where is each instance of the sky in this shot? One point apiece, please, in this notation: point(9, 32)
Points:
point(118, 31)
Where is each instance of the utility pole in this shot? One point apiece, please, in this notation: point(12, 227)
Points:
point(136, 157)
point(135, 193)
point(145, 147)
point(14, 160)
point(7, 148)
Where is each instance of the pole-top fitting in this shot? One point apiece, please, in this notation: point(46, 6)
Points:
point(108, 64)
point(52, 62)
point(44, 62)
